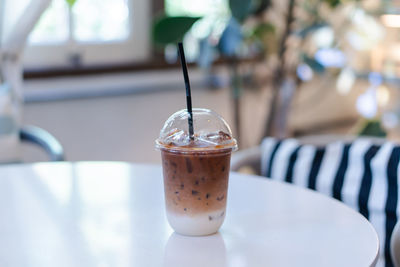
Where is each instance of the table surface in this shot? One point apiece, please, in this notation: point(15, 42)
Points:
point(112, 214)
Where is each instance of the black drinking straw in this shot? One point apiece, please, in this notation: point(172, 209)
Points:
point(187, 85)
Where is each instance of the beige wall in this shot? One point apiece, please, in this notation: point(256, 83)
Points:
point(124, 127)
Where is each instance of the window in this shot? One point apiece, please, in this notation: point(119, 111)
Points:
point(196, 8)
point(92, 32)
point(215, 14)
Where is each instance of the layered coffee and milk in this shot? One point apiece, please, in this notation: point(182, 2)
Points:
point(196, 173)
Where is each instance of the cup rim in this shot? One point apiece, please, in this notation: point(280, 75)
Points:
point(232, 146)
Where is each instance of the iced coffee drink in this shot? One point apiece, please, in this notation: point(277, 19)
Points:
point(196, 171)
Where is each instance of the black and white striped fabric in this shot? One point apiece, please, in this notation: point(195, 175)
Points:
point(361, 174)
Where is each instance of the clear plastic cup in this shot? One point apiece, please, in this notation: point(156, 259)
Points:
point(196, 171)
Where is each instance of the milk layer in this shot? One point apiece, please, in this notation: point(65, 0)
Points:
point(206, 223)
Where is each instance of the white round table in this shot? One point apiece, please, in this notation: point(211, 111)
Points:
point(112, 214)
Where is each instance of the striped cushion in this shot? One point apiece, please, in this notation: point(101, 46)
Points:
point(361, 174)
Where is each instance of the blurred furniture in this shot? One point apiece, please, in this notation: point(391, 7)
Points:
point(361, 172)
point(43, 139)
point(251, 157)
point(247, 158)
point(12, 133)
point(16, 23)
point(113, 214)
point(395, 245)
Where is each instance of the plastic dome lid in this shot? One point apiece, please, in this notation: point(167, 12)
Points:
point(211, 132)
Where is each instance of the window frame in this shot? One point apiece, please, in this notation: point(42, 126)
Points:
point(136, 48)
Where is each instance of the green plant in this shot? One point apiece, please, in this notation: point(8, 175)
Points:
point(250, 33)
point(170, 30)
point(372, 128)
point(71, 2)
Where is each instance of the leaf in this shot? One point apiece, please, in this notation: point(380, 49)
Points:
point(240, 9)
point(312, 28)
point(263, 29)
point(315, 65)
point(372, 128)
point(231, 38)
point(259, 6)
point(332, 3)
point(167, 30)
point(71, 3)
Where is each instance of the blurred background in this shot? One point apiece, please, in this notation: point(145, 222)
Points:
point(103, 76)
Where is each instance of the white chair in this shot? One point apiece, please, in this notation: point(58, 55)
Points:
point(395, 245)
point(15, 27)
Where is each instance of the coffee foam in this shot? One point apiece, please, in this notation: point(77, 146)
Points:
point(206, 223)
